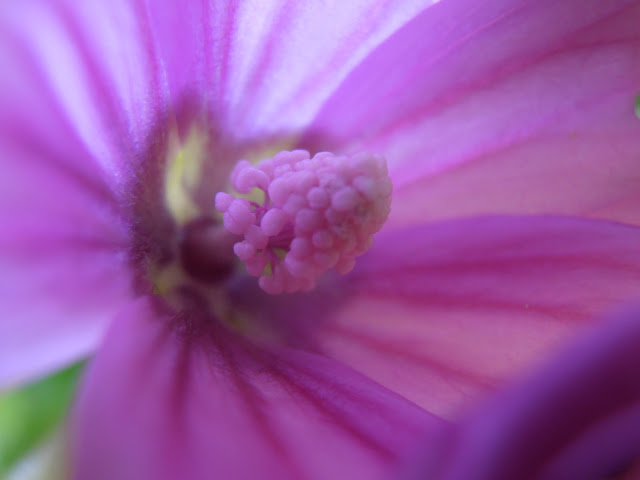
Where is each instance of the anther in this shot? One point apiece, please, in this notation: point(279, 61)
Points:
point(317, 214)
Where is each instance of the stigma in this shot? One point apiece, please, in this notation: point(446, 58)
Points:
point(298, 217)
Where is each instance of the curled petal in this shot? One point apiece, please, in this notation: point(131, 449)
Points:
point(577, 417)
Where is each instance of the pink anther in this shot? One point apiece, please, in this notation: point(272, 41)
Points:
point(318, 213)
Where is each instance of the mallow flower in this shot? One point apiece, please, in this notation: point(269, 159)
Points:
point(166, 206)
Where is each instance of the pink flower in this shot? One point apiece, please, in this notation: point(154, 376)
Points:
point(512, 144)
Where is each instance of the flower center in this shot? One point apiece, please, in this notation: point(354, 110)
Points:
point(305, 215)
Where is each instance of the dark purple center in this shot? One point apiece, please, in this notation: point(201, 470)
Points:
point(206, 251)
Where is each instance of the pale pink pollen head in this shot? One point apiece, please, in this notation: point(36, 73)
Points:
point(317, 214)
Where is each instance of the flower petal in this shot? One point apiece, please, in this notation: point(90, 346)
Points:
point(95, 62)
point(508, 106)
point(62, 240)
point(440, 313)
point(163, 403)
point(64, 268)
point(265, 66)
point(578, 417)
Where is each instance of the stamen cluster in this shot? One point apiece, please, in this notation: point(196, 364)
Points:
point(317, 214)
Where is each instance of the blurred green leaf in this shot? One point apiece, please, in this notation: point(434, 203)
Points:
point(30, 414)
point(638, 105)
